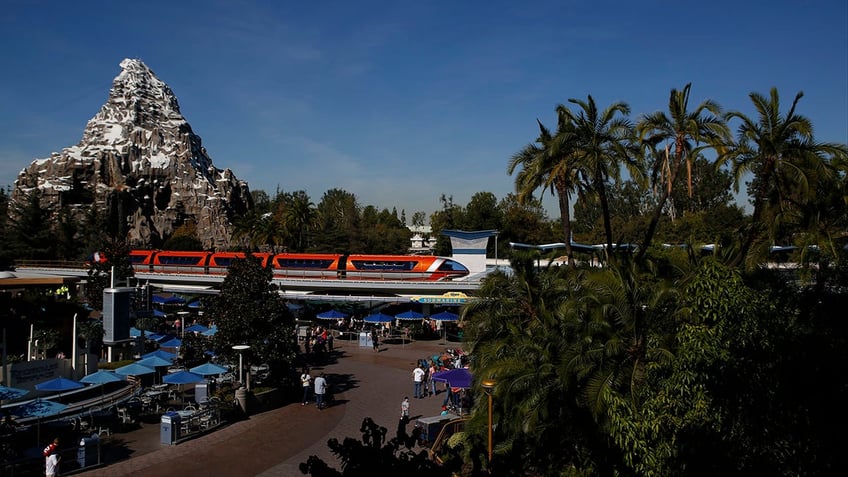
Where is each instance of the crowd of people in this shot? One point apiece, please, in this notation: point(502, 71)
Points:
point(425, 386)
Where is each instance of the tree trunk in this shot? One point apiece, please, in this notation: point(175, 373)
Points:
point(602, 195)
point(565, 218)
point(655, 218)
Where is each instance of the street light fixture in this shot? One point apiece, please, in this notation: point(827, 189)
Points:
point(489, 388)
point(241, 348)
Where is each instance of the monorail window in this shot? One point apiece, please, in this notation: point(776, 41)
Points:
point(452, 266)
point(223, 261)
point(138, 258)
point(178, 260)
point(304, 263)
point(392, 266)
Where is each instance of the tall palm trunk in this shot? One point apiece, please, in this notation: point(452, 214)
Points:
point(602, 195)
point(565, 217)
point(666, 192)
point(756, 215)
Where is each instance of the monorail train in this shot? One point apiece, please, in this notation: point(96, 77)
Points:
point(305, 265)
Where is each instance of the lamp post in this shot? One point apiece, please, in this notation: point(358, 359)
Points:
point(489, 388)
point(240, 349)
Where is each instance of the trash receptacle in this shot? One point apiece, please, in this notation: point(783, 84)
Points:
point(241, 397)
point(88, 453)
point(169, 428)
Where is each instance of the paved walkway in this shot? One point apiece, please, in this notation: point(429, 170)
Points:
point(274, 443)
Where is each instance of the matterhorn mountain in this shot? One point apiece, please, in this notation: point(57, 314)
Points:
point(139, 159)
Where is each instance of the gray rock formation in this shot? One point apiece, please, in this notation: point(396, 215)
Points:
point(139, 159)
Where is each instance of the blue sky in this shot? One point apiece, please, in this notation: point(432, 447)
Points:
point(400, 102)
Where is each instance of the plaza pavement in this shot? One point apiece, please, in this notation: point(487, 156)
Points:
point(273, 443)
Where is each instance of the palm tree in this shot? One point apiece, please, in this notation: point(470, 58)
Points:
point(549, 164)
point(784, 158)
point(686, 133)
point(601, 141)
point(299, 217)
point(515, 334)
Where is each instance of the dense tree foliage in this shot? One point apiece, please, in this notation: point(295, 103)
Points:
point(6, 254)
point(250, 311)
point(788, 164)
point(696, 370)
point(30, 228)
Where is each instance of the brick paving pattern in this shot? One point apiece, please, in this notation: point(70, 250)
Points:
point(274, 443)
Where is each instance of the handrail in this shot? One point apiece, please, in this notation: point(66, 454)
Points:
point(452, 427)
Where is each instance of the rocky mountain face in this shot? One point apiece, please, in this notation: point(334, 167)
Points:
point(139, 159)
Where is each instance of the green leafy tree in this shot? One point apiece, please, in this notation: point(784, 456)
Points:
point(6, 254)
point(261, 201)
point(300, 218)
point(451, 217)
point(250, 311)
point(525, 222)
point(30, 228)
point(338, 229)
point(384, 232)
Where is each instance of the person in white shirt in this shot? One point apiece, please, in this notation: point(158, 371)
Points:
point(404, 410)
point(51, 459)
point(306, 382)
point(417, 379)
point(320, 389)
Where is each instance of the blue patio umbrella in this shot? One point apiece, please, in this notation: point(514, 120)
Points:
point(195, 304)
point(208, 369)
point(159, 314)
point(445, 316)
point(172, 343)
point(101, 377)
point(183, 377)
point(168, 300)
point(161, 354)
point(135, 332)
point(58, 384)
point(211, 331)
point(378, 318)
point(456, 378)
point(409, 315)
point(155, 362)
point(37, 409)
point(331, 315)
point(134, 369)
point(11, 393)
point(197, 328)
point(157, 336)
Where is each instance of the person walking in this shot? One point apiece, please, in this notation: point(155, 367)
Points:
point(417, 378)
point(375, 341)
point(432, 383)
point(306, 382)
point(404, 410)
point(320, 389)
